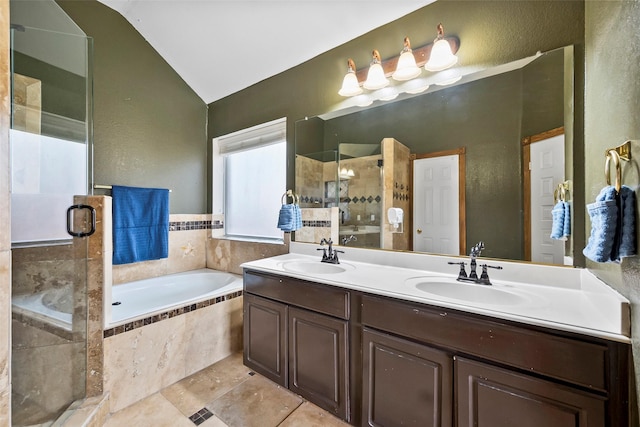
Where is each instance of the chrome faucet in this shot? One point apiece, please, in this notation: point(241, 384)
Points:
point(346, 239)
point(329, 254)
point(476, 250)
point(473, 275)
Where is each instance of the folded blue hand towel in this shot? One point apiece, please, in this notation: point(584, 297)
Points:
point(298, 217)
point(140, 224)
point(557, 216)
point(290, 218)
point(627, 232)
point(566, 227)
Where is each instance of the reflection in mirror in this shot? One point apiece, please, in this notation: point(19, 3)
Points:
point(477, 126)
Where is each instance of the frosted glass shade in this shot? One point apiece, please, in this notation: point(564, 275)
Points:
point(375, 77)
point(441, 57)
point(406, 68)
point(350, 85)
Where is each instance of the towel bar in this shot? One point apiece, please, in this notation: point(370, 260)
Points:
point(106, 187)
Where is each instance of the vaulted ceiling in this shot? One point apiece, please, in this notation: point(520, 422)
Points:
point(222, 46)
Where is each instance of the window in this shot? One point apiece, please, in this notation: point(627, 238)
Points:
point(249, 178)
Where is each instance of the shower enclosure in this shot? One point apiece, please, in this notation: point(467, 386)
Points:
point(50, 174)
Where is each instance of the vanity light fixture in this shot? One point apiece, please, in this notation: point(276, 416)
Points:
point(441, 56)
point(375, 77)
point(346, 174)
point(407, 68)
point(350, 85)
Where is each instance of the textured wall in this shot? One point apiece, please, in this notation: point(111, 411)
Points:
point(612, 91)
point(149, 126)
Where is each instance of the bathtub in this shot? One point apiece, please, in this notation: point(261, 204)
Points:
point(166, 296)
point(52, 307)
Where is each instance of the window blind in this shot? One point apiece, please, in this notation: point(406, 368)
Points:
point(253, 137)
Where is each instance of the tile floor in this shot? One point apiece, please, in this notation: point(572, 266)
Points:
point(224, 394)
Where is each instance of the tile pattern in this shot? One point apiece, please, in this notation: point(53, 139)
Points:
point(225, 394)
point(201, 416)
point(169, 314)
point(195, 225)
point(143, 361)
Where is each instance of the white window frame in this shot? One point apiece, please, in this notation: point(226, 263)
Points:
point(246, 139)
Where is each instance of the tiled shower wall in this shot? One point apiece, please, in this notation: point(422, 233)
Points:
point(5, 228)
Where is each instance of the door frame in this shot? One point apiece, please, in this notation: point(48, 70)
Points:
point(526, 177)
point(462, 209)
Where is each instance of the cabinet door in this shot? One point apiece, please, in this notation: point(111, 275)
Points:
point(265, 338)
point(404, 383)
point(494, 397)
point(318, 359)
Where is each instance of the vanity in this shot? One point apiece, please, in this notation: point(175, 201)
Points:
point(385, 339)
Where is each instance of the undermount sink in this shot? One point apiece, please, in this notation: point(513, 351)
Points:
point(315, 267)
point(472, 292)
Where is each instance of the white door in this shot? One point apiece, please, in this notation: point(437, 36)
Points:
point(547, 171)
point(435, 205)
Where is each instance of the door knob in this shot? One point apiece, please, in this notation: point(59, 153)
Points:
point(419, 230)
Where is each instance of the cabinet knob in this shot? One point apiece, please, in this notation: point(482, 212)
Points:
point(419, 231)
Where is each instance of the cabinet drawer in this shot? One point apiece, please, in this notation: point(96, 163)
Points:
point(572, 360)
point(487, 396)
point(315, 297)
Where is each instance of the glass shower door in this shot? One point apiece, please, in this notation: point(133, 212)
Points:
point(50, 171)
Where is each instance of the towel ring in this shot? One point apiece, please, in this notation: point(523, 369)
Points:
point(290, 193)
point(613, 154)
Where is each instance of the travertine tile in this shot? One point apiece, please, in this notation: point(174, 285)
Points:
point(255, 402)
point(5, 319)
point(218, 254)
point(5, 406)
point(187, 250)
point(212, 333)
point(309, 415)
point(153, 411)
point(213, 422)
point(141, 362)
point(194, 392)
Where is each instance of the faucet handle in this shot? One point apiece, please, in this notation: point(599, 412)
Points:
point(463, 272)
point(484, 277)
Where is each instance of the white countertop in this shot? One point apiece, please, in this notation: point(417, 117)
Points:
point(562, 298)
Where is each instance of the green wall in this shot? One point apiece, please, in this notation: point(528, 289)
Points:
point(612, 106)
point(149, 126)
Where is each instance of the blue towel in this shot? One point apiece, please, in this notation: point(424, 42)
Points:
point(290, 218)
point(613, 235)
point(557, 216)
point(566, 226)
point(627, 231)
point(140, 224)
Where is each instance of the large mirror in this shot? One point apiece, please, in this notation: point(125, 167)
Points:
point(479, 160)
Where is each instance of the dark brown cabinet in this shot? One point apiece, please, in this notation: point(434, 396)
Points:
point(318, 359)
point(383, 362)
point(296, 334)
point(265, 331)
point(404, 383)
point(491, 397)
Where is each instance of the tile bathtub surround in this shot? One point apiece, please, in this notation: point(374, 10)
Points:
point(187, 250)
point(227, 255)
point(168, 314)
point(144, 360)
point(232, 395)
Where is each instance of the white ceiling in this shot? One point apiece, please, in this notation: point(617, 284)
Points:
point(200, 39)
